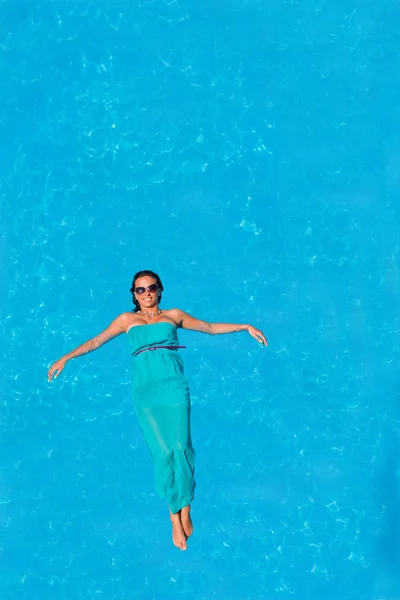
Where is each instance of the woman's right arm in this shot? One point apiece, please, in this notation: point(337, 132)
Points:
point(117, 327)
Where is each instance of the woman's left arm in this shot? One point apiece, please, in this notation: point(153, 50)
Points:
point(188, 322)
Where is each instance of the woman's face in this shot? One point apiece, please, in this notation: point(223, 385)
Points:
point(147, 298)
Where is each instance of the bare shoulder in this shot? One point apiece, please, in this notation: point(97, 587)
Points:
point(125, 316)
point(176, 314)
point(116, 327)
point(186, 321)
point(127, 319)
point(122, 320)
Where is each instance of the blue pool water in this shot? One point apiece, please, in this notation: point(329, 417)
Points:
point(248, 152)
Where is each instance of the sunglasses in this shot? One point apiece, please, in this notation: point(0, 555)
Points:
point(151, 288)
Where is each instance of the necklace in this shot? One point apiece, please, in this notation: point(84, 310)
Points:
point(151, 315)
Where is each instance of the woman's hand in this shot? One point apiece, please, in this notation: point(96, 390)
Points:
point(257, 335)
point(56, 368)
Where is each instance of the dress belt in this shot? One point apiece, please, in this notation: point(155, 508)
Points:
point(156, 348)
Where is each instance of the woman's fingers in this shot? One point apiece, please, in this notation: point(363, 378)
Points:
point(55, 370)
point(260, 337)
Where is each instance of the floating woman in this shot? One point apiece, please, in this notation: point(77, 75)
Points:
point(160, 390)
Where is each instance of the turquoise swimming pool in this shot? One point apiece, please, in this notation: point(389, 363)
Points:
point(247, 152)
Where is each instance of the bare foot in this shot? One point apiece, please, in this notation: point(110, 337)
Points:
point(186, 521)
point(178, 533)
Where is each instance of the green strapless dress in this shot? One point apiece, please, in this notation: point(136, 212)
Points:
point(162, 404)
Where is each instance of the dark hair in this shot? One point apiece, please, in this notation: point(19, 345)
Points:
point(144, 274)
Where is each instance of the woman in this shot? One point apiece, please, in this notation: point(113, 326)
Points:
point(160, 390)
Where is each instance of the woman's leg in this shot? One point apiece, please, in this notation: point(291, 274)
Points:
point(167, 432)
point(178, 533)
point(186, 521)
